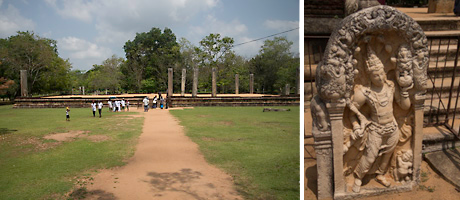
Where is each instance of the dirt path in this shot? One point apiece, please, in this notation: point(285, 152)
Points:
point(166, 165)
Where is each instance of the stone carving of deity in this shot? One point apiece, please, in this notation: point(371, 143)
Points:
point(377, 130)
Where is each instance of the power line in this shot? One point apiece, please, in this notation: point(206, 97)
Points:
point(265, 37)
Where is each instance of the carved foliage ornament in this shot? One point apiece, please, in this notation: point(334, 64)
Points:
point(338, 67)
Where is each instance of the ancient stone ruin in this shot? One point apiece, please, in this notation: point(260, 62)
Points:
point(368, 113)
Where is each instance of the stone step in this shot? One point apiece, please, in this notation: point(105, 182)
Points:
point(439, 138)
point(443, 23)
point(443, 68)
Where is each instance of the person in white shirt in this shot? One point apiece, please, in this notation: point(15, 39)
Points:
point(154, 105)
point(93, 107)
point(146, 104)
point(114, 105)
point(123, 104)
point(99, 108)
point(118, 105)
point(110, 104)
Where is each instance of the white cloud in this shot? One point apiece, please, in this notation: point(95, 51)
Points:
point(249, 49)
point(78, 9)
point(12, 21)
point(82, 53)
point(280, 26)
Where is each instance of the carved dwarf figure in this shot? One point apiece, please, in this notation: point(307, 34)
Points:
point(403, 165)
point(378, 129)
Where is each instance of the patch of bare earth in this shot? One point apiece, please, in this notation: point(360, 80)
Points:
point(69, 136)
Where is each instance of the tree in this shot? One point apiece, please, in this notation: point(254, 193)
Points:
point(149, 56)
point(213, 52)
point(27, 51)
point(275, 65)
point(107, 75)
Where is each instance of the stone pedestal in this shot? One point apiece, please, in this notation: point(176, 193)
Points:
point(441, 6)
point(214, 82)
point(24, 89)
point(251, 83)
point(195, 82)
point(170, 82)
point(237, 83)
point(182, 86)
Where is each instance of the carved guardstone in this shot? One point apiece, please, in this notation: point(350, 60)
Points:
point(368, 113)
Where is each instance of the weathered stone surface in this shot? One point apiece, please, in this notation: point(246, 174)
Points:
point(24, 88)
point(170, 82)
point(182, 85)
point(195, 82)
point(214, 82)
point(371, 86)
point(447, 163)
point(237, 83)
point(441, 6)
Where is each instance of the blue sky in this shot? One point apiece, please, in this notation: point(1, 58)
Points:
point(90, 31)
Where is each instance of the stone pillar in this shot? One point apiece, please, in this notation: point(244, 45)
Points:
point(418, 136)
point(287, 90)
point(323, 149)
point(170, 82)
point(182, 86)
point(237, 83)
point(24, 90)
point(335, 110)
point(214, 85)
point(251, 83)
point(83, 90)
point(297, 81)
point(195, 82)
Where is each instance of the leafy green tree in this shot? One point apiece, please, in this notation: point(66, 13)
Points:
point(275, 66)
point(46, 71)
point(214, 51)
point(106, 76)
point(149, 56)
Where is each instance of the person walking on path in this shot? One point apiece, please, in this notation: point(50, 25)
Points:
point(93, 107)
point(110, 105)
point(162, 101)
point(146, 104)
point(114, 105)
point(154, 103)
point(67, 114)
point(99, 108)
point(123, 104)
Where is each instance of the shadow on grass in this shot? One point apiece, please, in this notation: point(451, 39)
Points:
point(4, 131)
point(177, 181)
point(82, 193)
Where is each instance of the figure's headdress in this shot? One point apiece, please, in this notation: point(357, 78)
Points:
point(373, 62)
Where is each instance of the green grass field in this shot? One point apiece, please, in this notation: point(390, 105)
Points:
point(260, 150)
point(32, 167)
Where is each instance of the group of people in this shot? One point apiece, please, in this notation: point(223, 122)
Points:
point(97, 106)
point(118, 105)
point(156, 100)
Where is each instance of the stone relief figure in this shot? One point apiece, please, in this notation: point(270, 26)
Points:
point(403, 169)
point(377, 129)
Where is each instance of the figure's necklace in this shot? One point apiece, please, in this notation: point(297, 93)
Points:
point(382, 97)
